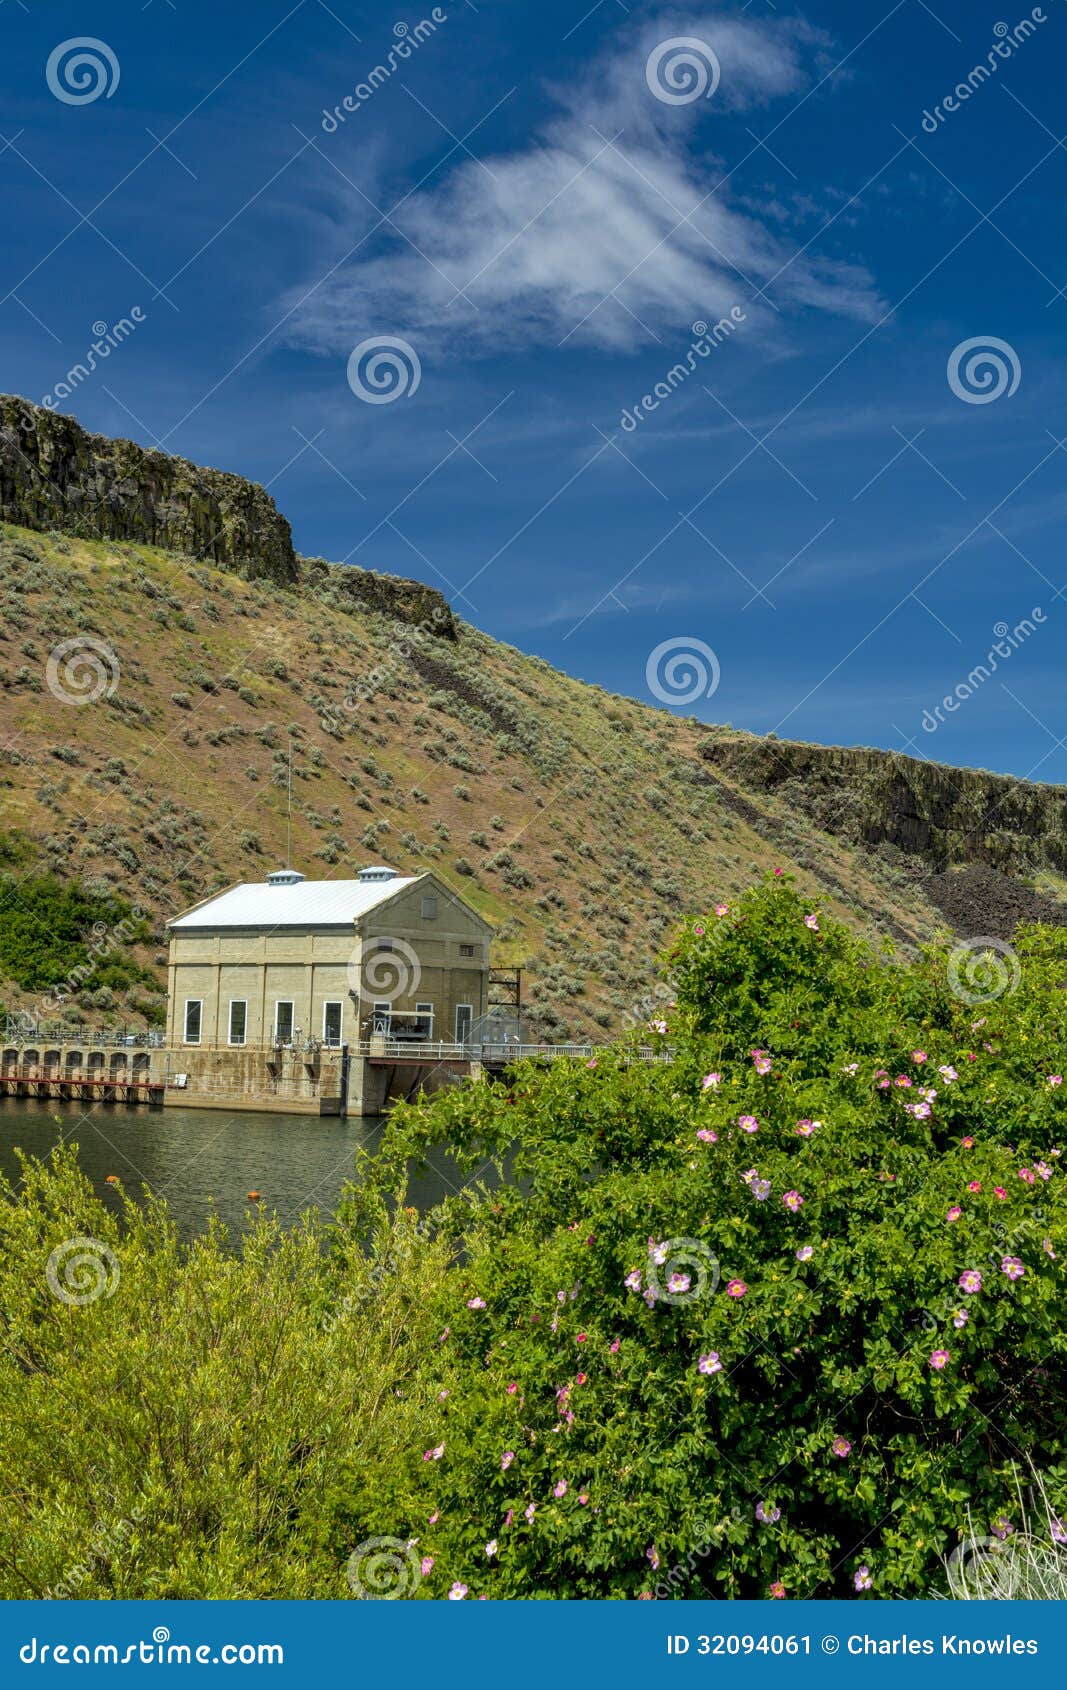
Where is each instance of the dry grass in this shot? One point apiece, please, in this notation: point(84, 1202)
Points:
point(589, 820)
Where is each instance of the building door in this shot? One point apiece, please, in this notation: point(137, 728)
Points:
point(283, 1022)
point(464, 1021)
point(331, 1024)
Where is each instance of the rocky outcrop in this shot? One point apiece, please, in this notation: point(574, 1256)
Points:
point(351, 589)
point(940, 815)
point(980, 900)
point(55, 475)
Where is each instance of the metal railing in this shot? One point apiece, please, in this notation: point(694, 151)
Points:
point(439, 1050)
point(19, 1032)
point(17, 1035)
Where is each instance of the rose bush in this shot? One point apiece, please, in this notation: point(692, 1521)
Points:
point(776, 1316)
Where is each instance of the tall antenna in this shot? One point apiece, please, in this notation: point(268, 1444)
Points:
point(289, 814)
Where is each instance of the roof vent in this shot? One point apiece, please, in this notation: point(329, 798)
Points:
point(377, 872)
point(285, 877)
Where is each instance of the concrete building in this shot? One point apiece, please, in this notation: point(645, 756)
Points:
point(276, 990)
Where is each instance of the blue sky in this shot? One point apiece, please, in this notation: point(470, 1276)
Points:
point(819, 500)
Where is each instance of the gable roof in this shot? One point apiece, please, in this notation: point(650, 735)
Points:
point(307, 903)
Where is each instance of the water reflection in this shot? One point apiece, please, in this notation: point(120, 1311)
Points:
point(205, 1161)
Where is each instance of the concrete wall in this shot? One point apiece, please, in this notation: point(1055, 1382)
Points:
point(307, 968)
point(429, 929)
point(290, 1081)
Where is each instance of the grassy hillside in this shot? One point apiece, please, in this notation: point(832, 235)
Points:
point(582, 825)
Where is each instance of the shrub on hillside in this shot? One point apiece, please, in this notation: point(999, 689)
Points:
point(48, 925)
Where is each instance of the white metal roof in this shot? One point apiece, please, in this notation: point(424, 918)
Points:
point(307, 903)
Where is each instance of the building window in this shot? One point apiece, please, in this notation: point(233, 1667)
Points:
point(382, 1018)
point(467, 950)
point(424, 1020)
point(194, 1010)
point(331, 1023)
point(464, 1021)
point(238, 1020)
point(429, 907)
point(283, 1022)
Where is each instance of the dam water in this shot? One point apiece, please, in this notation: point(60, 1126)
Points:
point(204, 1162)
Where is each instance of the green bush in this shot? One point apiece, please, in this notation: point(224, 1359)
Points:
point(854, 1176)
point(46, 925)
point(185, 1422)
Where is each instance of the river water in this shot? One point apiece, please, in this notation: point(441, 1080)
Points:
point(205, 1161)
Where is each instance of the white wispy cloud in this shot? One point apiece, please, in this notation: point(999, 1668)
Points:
point(607, 226)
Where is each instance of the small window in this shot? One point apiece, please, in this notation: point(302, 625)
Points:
point(467, 950)
point(331, 1023)
point(429, 907)
point(283, 1022)
point(382, 1018)
point(194, 1010)
point(238, 1020)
